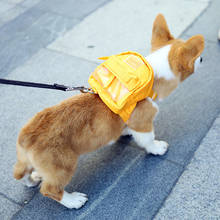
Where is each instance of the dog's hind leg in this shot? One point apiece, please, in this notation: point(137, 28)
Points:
point(70, 200)
point(22, 165)
point(23, 169)
point(56, 176)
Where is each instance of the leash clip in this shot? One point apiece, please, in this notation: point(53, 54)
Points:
point(82, 89)
point(87, 90)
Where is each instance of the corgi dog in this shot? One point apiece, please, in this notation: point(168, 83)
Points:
point(50, 144)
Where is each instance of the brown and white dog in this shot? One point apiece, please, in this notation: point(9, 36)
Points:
point(49, 145)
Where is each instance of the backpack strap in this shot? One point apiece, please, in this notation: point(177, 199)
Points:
point(153, 94)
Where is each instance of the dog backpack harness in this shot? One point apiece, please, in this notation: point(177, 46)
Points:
point(122, 80)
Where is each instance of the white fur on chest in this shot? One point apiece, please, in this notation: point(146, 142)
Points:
point(160, 63)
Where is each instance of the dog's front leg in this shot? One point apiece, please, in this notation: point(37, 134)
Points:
point(140, 126)
point(147, 141)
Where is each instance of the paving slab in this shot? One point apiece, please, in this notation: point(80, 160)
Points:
point(208, 22)
point(4, 7)
point(139, 193)
point(8, 208)
point(30, 3)
point(197, 193)
point(14, 1)
point(39, 29)
point(18, 104)
point(71, 8)
point(107, 32)
point(11, 14)
point(19, 25)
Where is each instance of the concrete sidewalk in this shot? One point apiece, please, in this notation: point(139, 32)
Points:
point(49, 41)
point(196, 194)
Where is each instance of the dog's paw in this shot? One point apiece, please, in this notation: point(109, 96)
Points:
point(159, 148)
point(35, 177)
point(74, 200)
point(28, 181)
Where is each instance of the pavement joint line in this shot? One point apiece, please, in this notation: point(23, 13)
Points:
point(168, 194)
point(100, 6)
point(9, 3)
point(24, 30)
point(184, 168)
point(18, 5)
point(42, 10)
point(195, 20)
point(11, 200)
point(173, 162)
point(15, 6)
point(69, 17)
point(52, 12)
point(58, 14)
point(143, 200)
point(23, 204)
point(66, 54)
point(162, 202)
point(21, 4)
point(168, 160)
point(108, 190)
point(32, 24)
point(173, 185)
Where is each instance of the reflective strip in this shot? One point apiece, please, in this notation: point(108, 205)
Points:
point(134, 61)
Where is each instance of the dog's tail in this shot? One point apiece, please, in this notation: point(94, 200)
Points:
point(22, 165)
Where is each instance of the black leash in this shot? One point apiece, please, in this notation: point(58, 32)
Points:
point(46, 86)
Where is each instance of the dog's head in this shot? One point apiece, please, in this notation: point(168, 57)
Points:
point(172, 59)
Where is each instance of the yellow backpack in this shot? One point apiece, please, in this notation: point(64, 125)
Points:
point(122, 80)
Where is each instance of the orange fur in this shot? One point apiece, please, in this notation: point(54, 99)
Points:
point(142, 117)
point(53, 139)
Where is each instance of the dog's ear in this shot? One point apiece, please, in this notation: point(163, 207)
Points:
point(160, 33)
point(193, 47)
point(189, 52)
